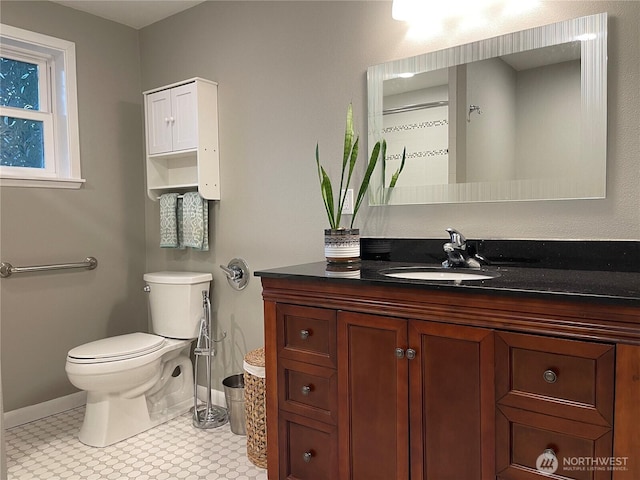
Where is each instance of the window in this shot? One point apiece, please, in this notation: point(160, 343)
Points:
point(39, 144)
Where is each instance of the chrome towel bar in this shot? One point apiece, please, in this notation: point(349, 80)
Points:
point(6, 269)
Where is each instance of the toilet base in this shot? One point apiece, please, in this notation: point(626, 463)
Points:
point(111, 418)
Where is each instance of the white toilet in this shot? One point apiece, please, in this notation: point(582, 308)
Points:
point(139, 380)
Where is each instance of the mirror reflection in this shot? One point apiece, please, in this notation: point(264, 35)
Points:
point(517, 117)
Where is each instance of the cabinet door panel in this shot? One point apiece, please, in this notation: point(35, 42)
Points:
point(308, 451)
point(581, 383)
point(308, 390)
point(373, 398)
point(524, 435)
point(159, 122)
point(452, 399)
point(307, 334)
point(185, 117)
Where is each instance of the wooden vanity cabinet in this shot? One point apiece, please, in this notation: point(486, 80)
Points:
point(554, 394)
point(443, 382)
point(373, 396)
point(306, 396)
point(381, 383)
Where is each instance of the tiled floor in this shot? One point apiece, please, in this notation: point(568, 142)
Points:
point(48, 449)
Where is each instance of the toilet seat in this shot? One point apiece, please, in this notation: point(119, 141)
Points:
point(118, 348)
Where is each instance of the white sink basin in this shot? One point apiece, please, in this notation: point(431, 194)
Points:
point(426, 273)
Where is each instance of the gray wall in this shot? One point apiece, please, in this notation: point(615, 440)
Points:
point(45, 315)
point(286, 72)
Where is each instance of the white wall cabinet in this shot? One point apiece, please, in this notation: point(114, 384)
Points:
point(182, 139)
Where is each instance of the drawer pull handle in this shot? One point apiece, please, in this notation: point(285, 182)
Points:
point(304, 334)
point(306, 456)
point(550, 376)
point(306, 390)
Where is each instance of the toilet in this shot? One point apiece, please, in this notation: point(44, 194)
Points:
point(139, 380)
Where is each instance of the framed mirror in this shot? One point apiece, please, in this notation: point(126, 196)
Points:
point(522, 116)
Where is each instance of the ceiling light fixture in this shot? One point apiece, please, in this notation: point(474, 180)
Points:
point(437, 12)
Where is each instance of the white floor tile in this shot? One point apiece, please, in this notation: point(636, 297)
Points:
point(49, 449)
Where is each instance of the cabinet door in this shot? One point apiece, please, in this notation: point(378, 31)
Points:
point(372, 398)
point(308, 449)
point(184, 107)
point(158, 107)
point(452, 402)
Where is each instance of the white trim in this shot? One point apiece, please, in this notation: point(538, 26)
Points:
point(32, 413)
point(42, 182)
point(63, 103)
point(217, 396)
point(42, 61)
point(178, 84)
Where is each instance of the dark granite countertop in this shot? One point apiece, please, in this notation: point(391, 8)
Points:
point(601, 286)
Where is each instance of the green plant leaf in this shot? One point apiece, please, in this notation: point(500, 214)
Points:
point(375, 153)
point(348, 146)
point(327, 196)
point(325, 189)
point(343, 191)
point(394, 177)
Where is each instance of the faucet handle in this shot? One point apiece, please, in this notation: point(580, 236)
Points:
point(457, 239)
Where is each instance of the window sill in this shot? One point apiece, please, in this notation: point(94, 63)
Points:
point(73, 183)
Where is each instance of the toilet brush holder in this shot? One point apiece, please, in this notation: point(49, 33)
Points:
point(206, 415)
point(210, 416)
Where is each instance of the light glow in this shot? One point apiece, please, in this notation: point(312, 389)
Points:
point(467, 14)
point(585, 37)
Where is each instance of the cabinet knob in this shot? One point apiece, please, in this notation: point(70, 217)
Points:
point(306, 456)
point(411, 353)
point(550, 376)
point(399, 353)
point(166, 119)
point(173, 120)
point(304, 334)
point(306, 390)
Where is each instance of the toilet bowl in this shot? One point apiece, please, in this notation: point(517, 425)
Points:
point(139, 380)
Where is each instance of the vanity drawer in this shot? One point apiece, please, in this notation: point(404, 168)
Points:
point(308, 390)
point(522, 436)
point(564, 378)
point(307, 334)
point(308, 449)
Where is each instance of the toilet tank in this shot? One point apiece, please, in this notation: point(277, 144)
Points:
point(175, 302)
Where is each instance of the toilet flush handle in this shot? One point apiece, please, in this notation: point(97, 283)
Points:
point(146, 288)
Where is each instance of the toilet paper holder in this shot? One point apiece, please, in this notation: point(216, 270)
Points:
point(237, 272)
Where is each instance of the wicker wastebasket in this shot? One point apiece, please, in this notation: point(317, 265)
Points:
point(255, 407)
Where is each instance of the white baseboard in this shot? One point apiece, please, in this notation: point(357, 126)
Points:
point(217, 396)
point(31, 413)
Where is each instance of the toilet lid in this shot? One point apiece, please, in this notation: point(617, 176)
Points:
point(117, 348)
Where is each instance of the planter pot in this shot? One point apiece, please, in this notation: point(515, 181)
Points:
point(342, 245)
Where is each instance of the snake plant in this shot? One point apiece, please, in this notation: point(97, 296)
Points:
point(349, 159)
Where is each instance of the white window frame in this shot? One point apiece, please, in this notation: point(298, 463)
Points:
point(58, 109)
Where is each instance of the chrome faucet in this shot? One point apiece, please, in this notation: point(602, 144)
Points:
point(456, 250)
